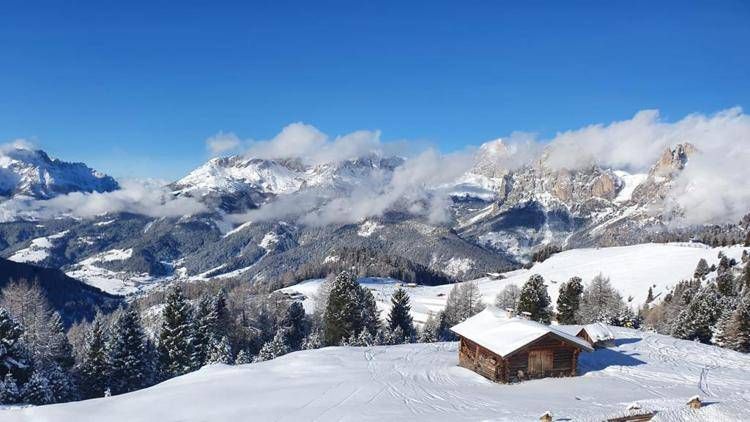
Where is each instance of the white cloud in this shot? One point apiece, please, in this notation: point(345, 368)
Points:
point(147, 197)
point(222, 143)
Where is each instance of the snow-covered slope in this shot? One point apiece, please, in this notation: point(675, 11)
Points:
point(423, 382)
point(631, 269)
point(33, 173)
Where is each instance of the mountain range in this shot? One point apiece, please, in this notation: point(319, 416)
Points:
point(284, 220)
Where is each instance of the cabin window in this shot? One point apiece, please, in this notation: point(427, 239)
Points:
point(540, 361)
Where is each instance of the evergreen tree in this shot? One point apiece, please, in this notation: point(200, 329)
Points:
point(61, 384)
point(296, 326)
point(176, 337)
point(9, 393)
point(13, 355)
point(701, 270)
point(535, 300)
point(94, 368)
point(221, 352)
point(400, 315)
point(724, 278)
point(60, 350)
point(205, 332)
point(569, 300)
point(350, 309)
point(508, 297)
point(600, 303)
point(243, 357)
point(222, 315)
point(650, 295)
point(274, 348)
point(738, 327)
point(312, 341)
point(697, 321)
point(37, 390)
point(127, 354)
point(745, 277)
point(429, 330)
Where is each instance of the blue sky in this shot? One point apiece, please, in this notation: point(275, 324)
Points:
point(135, 88)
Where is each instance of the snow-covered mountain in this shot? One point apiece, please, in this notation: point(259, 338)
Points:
point(32, 173)
point(424, 382)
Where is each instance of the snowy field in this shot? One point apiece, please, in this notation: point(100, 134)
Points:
point(422, 382)
point(631, 269)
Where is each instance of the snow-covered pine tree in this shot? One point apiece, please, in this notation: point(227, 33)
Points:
point(569, 300)
point(127, 355)
point(61, 384)
point(37, 390)
point(738, 327)
point(274, 348)
point(701, 270)
point(368, 317)
point(243, 357)
point(94, 369)
point(204, 323)
point(176, 336)
point(9, 393)
point(400, 314)
point(13, 355)
point(313, 341)
point(296, 325)
point(650, 295)
point(724, 278)
point(698, 320)
point(429, 330)
point(745, 278)
point(341, 310)
point(535, 300)
point(60, 350)
point(221, 352)
point(223, 317)
point(600, 302)
point(508, 297)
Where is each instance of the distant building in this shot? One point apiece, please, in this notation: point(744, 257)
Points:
point(597, 334)
point(511, 349)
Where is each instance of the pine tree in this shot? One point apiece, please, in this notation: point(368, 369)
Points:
point(508, 297)
point(13, 355)
point(222, 315)
point(296, 326)
point(400, 315)
point(650, 295)
point(429, 330)
point(221, 352)
point(350, 309)
point(697, 321)
point(535, 300)
point(701, 270)
point(61, 384)
point(205, 332)
point(313, 341)
point(9, 393)
point(127, 354)
point(274, 348)
point(176, 337)
point(37, 390)
point(600, 303)
point(94, 368)
point(60, 350)
point(738, 327)
point(243, 358)
point(724, 278)
point(569, 300)
point(745, 277)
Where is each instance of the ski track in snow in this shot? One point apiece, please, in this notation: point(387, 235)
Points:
point(423, 382)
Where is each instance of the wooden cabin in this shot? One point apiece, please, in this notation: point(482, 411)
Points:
point(597, 334)
point(505, 349)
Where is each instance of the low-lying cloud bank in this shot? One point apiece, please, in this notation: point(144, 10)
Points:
point(146, 197)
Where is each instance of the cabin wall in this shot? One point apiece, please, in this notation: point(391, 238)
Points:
point(564, 360)
point(480, 360)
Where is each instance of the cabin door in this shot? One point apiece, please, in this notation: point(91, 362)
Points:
point(540, 362)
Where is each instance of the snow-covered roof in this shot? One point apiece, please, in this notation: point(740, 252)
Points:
point(495, 331)
point(596, 331)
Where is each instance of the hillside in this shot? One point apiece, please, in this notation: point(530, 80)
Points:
point(423, 382)
point(631, 269)
point(73, 299)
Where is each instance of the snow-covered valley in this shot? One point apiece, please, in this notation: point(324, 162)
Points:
point(631, 269)
point(423, 382)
